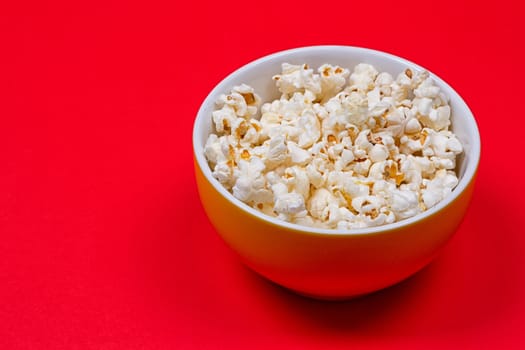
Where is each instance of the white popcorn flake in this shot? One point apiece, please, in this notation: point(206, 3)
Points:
point(427, 89)
point(363, 76)
point(404, 204)
point(310, 129)
point(437, 119)
point(319, 203)
point(333, 79)
point(277, 151)
point(378, 153)
point(224, 174)
point(340, 149)
point(297, 180)
point(346, 158)
point(316, 178)
point(423, 106)
point(384, 79)
point(212, 150)
point(297, 154)
point(438, 188)
point(412, 126)
point(250, 185)
point(289, 203)
point(223, 119)
point(297, 78)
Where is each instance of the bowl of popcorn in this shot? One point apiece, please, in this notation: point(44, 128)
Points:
point(335, 171)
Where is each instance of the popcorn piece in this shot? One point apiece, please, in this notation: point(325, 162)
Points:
point(337, 150)
point(423, 105)
point(242, 101)
point(212, 150)
point(250, 185)
point(363, 77)
point(297, 154)
point(438, 188)
point(318, 205)
point(310, 129)
point(367, 205)
point(277, 151)
point(412, 126)
point(404, 204)
point(333, 79)
point(224, 174)
point(314, 176)
point(223, 119)
point(297, 180)
point(297, 78)
point(378, 153)
point(347, 157)
point(289, 203)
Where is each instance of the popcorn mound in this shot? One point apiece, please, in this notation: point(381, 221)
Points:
point(339, 149)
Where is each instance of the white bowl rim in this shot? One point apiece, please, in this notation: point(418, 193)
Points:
point(466, 179)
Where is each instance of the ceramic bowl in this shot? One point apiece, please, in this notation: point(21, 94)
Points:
point(326, 263)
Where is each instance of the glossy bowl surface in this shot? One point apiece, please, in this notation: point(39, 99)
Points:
point(332, 263)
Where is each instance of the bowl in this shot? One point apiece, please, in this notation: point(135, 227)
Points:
point(324, 263)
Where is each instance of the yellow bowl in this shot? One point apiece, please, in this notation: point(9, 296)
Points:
point(333, 263)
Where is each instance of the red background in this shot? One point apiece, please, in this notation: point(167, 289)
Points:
point(103, 241)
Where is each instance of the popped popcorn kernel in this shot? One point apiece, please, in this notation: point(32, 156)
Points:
point(340, 149)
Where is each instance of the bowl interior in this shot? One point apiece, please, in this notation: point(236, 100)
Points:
point(258, 75)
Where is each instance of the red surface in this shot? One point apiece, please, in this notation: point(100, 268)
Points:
point(103, 242)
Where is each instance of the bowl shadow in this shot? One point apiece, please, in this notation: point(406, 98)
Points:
point(470, 285)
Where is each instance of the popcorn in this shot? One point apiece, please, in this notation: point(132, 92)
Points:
point(378, 153)
point(289, 203)
point(363, 77)
point(438, 188)
point(250, 184)
point(297, 180)
point(297, 154)
point(404, 204)
point(319, 203)
point(339, 149)
point(310, 129)
point(277, 151)
point(333, 79)
point(297, 78)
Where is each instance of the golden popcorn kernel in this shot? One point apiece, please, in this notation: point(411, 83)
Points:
point(353, 133)
point(226, 125)
point(408, 73)
point(374, 213)
point(400, 177)
point(245, 154)
point(391, 170)
point(374, 139)
point(241, 129)
point(348, 200)
point(331, 138)
point(249, 98)
point(231, 152)
point(423, 137)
